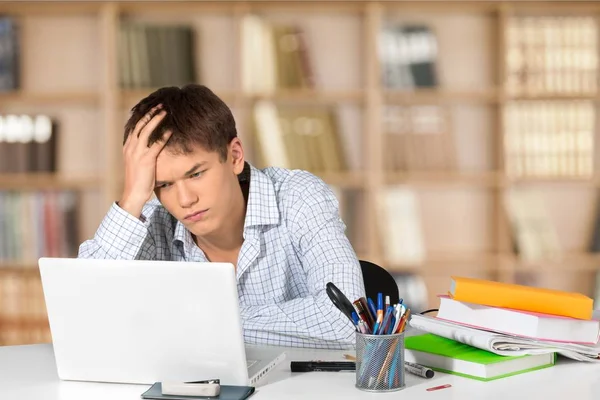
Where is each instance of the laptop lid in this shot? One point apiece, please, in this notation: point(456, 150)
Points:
point(144, 321)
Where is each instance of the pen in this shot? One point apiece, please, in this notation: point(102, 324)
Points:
point(331, 366)
point(362, 314)
point(379, 313)
point(386, 321)
point(372, 308)
point(365, 306)
point(355, 318)
point(419, 370)
point(403, 321)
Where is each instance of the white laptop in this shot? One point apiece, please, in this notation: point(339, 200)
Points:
point(149, 321)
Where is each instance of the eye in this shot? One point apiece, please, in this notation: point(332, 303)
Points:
point(196, 174)
point(163, 185)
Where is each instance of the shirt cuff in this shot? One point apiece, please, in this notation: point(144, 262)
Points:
point(121, 234)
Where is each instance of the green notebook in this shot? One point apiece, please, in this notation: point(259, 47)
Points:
point(446, 355)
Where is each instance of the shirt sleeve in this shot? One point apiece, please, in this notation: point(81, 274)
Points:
point(326, 255)
point(121, 236)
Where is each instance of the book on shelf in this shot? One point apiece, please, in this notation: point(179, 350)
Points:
point(551, 54)
point(534, 234)
point(36, 224)
point(453, 357)
point(23, 316)
point(519, 323)
point(594, 245)
point(27, 143)
point(549, 138)
point(399, 219)
point(274, 56)
point(299, 137)
point(153, 55)
point(408, 56)
point(418, 138)
point(9, 54)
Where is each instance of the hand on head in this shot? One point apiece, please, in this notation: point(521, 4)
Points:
point(140, 161)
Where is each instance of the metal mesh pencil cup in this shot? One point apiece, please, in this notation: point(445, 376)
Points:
point(380, 362)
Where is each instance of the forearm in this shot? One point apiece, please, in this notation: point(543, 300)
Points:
point(311, 320)
point(120, 236)
point(302, 322)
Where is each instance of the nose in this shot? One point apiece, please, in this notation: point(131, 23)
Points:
point(186, 197)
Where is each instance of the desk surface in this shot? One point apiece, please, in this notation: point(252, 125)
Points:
point(29, 372)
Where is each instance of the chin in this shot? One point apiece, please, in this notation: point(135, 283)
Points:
point(202, 228)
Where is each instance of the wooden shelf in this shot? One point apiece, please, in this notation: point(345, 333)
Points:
point(489, 179)
point(576, 262)
point(441, 178)
point(428, 96)
point(448, 263)
point(46, 181)
point(61, 8)
point(310, 96)
point(551, 97)
point(24, 323)
point(130, 97)
point(509, 181)
point(18, 267)
point(347, 180)
point(51, 98)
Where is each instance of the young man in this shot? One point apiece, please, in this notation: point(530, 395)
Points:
point(280, 228)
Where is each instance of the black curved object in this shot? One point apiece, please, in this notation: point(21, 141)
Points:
point(378, 280)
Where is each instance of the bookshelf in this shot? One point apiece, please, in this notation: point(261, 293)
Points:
point(70, 70)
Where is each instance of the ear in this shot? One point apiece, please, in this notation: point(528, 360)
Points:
point(236, 155)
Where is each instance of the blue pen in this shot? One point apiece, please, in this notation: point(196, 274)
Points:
point(386, 320)
point(392, 324)
point(379, 313)
point(355, 318)
point(372, 308)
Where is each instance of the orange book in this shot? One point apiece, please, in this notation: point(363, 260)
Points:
point(520, 297)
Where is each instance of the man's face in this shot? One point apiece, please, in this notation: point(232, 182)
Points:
point(198, 188)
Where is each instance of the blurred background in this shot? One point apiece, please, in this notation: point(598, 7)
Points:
point(459, 137)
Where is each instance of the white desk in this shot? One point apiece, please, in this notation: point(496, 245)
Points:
point(29, 373)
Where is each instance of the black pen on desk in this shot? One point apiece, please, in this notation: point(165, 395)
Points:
point(324, 366)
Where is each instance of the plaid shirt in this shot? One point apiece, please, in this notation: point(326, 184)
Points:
point(294, 243)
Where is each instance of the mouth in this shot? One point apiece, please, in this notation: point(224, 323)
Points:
point(195, 216)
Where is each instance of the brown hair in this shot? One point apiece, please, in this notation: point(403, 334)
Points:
point(195, 116)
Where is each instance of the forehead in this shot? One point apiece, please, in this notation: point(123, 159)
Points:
point(171, 161)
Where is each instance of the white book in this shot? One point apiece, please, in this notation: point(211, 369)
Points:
point(520, 323)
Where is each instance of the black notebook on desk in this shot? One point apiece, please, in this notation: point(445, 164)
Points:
point(227, 393)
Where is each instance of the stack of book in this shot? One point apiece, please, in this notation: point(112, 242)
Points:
point(156, 55)
point(489, 330)
point(304, 137)
point(274, 56)
point(27, 143)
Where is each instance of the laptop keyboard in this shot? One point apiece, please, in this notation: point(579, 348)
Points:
point(250, 363)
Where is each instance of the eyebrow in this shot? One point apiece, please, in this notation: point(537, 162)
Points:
point(188, 172)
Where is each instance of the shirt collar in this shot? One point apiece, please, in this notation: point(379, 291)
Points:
point(262, 208)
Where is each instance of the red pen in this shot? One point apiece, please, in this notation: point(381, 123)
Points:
point(431, 389)
point(362, 315)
